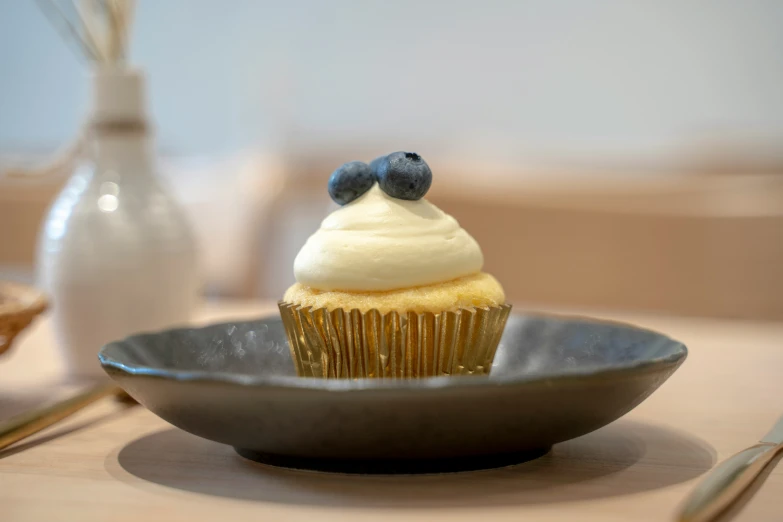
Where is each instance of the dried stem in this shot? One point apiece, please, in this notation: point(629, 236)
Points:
point(98, 31)
point(67, 29)
point(101, 28)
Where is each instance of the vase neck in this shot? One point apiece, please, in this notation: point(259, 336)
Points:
point(119, 131)
point(123, 152)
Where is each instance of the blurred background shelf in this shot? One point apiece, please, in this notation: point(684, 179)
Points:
point(680, 243)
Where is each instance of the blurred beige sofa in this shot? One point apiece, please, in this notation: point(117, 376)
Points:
point(673, 243)
point(708, 246)
point(701, 242)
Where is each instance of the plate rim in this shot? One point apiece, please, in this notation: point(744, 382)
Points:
point(673, 360)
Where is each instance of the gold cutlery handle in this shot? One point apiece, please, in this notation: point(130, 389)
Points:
point(26, 424)
point(726, 481)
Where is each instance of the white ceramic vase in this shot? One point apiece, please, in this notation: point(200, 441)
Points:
point(116, 254)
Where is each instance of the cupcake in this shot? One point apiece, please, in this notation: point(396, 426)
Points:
point(390, 286)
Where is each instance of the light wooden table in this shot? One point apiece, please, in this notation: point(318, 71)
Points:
point(112, 463)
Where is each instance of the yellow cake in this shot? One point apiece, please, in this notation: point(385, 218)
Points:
point(478, 290)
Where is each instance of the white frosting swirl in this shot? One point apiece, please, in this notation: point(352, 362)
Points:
point(378, 243)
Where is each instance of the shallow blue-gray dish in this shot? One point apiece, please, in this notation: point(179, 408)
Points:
point(553, 379)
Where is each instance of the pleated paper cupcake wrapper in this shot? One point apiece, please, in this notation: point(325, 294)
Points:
point(349, 344)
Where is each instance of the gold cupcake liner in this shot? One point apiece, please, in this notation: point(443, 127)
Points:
point(349, 344)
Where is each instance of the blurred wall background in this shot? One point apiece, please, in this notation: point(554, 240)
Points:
point(605, 154)
point(512, 80)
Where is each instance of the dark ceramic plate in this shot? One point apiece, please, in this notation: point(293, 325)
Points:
point(553, 379)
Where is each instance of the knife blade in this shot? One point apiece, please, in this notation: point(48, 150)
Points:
point(730, 478)
point(775, 435)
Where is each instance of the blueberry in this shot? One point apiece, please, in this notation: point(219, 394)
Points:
point(374, 164)
point(404, 175)
point(350, 181)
